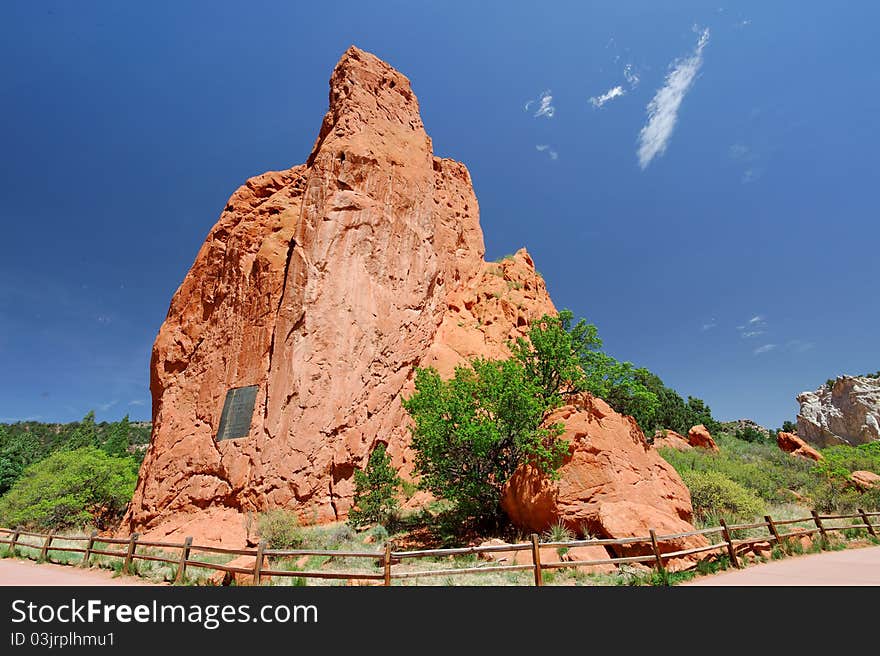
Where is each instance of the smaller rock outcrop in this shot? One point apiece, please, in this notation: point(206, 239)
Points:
point(239, 578)
point(669, 439)
point(845, 412)
point(733, 427)
point(865, 480)
point(794, 445)
point(612, 484)
point(700, 437)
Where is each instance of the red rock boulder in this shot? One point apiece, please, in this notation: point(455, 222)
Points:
point(699, 436)
point(239, 578)
point(791, 443)
point(671, 440)
point(612, 483)
point(865, 480)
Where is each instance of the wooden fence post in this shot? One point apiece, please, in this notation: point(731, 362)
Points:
point(89, 546)
point(258, 565)
point(772, 528)
point(868, 522)
point(15, 535)
point(184, 555)
point(660, 567)
point(820, 527)
point(44, 552)
point(387, 563)
point(730, 550)
point(536, 560)
point(132, 545)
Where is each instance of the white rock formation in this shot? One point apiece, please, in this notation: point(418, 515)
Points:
point(848, 413)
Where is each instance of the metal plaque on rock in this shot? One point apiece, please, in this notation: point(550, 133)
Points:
point(238, 410)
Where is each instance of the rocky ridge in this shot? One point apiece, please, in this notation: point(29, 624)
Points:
point(847, 413)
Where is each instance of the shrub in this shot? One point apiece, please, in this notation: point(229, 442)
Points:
point(280, 529)
point(470, 433)
point(375, 490)
point(750, 434)
point(70, 489)
point(715, 495)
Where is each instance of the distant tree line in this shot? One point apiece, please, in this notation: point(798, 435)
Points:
point(60, 475)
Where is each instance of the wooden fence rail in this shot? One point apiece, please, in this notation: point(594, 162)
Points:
point(652, 545)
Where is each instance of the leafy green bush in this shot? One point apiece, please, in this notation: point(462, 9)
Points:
point(280, 529)
point(471, 432)
point(375, 491)
point(714, 495)
point(763, 468)
point(842, 460)
point(70, 489)
point(751, 434)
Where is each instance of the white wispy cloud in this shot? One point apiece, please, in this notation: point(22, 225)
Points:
point(104, 407)
point(664, 106)
point(137, 402)
point(631, 76)
point(711, 323)
point(754, 327)
point(545, 105)
point(545, 148)
point(764, 349)
point(611, 94)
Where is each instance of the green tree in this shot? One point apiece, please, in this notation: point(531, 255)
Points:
point(789, 427)
point(375, 490)
point(85, 433)
point(118, 438)
point(17, 450)
point(564, 359)
point(554, 354)
point(471, 432)
point(69, 489)
point(699, 413)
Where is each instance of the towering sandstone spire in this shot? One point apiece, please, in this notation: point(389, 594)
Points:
point(325, 286)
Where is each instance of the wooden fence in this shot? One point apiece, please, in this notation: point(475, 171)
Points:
point(725, 542)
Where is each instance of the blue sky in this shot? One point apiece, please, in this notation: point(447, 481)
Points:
point(715, 216)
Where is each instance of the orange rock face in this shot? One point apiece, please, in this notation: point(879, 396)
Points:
point(671, 440)
point(794, 445)
point(326, 286)
point(612, 484)
point(865, 480)
point(700, 437)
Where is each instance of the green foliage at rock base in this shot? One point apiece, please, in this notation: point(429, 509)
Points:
point(70, 489)
point(376, 490)
point(471, 432)
point(715, 495)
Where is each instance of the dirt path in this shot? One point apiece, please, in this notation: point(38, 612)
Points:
point(849, 567)
point(14, 571)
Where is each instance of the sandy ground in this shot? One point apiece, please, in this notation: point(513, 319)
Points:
point(849, 567)
point(14, 571)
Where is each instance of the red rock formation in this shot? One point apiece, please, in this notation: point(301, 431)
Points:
point(865, 480)
point(325, 285)
point(671, 440)
point(612, 483)
point(700, 437)
point(791, 443)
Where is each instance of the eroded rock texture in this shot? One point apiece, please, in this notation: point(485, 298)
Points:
point(325, 285)
point(613, 484)
point(848, 413)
